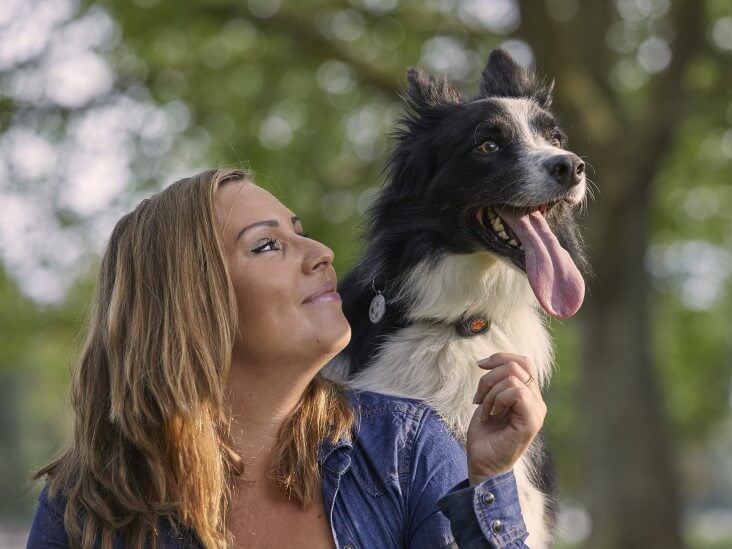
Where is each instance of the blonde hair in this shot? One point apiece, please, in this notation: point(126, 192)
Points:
point(151, 433)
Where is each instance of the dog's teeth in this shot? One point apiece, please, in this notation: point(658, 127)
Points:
point(491, 214)
point(513, 242)
point(503, 235)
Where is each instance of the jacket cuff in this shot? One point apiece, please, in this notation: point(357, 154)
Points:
point(487, 512)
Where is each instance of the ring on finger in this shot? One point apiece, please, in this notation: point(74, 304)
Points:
point(529, 381)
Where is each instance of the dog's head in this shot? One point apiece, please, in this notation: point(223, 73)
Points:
point(492, 173)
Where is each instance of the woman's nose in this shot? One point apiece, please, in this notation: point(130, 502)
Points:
point(319, 257)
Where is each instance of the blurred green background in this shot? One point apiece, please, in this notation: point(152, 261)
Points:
point(102, 103)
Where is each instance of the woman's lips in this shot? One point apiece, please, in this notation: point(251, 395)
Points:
point(325, 298)
point(325, 294)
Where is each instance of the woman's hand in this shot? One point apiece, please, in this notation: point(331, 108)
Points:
point(510, 413)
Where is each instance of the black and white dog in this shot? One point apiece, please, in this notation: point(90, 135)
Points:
point(472, 236)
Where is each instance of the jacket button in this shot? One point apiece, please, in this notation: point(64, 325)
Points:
point(497, 527)
point(347, 547)
point(488, 498)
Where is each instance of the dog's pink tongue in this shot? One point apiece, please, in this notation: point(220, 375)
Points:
point(553, 276)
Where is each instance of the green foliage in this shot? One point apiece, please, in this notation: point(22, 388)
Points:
point(34, 377)
point(692, 339)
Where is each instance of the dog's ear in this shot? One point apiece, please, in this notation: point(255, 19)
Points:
point(544, 93)
point(504, 77)
point(424, 90)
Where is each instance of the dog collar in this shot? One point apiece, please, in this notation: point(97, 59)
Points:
point(468, 326)
point(472, 325)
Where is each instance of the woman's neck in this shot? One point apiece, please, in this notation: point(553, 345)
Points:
point(261, 400)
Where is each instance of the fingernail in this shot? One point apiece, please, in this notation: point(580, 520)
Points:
point(493, 410)
point(476, 400)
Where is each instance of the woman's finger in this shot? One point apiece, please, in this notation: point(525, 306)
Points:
point(488, 403)
point(496, 374)
point(487, 381)
point(520, 403)
point(497, 359)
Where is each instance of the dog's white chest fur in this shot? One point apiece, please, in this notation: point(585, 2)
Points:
point(431, 362)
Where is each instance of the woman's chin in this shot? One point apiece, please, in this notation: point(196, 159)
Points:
point(336, 340)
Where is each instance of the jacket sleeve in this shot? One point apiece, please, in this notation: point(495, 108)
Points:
point(444, 510)
point(47, 528)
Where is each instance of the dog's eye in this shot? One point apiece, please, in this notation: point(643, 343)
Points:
point(488, 147)
point(556, 140)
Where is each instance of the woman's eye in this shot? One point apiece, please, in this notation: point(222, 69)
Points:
point(270, 245)
point(488, 147)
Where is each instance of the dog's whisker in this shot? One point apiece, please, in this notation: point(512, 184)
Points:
point(510, 184)
point(592, 188)
point(589, 194)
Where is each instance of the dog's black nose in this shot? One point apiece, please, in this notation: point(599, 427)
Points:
point(565, 169)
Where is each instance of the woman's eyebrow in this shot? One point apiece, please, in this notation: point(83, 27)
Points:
point(266, 223)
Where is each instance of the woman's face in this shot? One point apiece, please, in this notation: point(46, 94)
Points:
point(285, 284)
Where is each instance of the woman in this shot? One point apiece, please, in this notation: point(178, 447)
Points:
point(202, 420)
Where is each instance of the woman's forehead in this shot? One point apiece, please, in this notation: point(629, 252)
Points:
point(247, 202)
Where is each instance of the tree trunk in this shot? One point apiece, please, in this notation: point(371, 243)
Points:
point(629, 475)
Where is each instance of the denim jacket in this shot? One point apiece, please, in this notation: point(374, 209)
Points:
point(400, 483)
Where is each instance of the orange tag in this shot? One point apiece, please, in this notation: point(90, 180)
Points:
point(477, 325)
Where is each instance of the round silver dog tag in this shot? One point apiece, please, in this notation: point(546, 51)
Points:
point(377, 308)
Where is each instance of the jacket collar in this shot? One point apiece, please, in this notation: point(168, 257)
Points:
point(336, 456)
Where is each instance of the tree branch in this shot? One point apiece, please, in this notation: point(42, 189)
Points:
point(668, 97)
point(581, 75)
point(305, 33)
